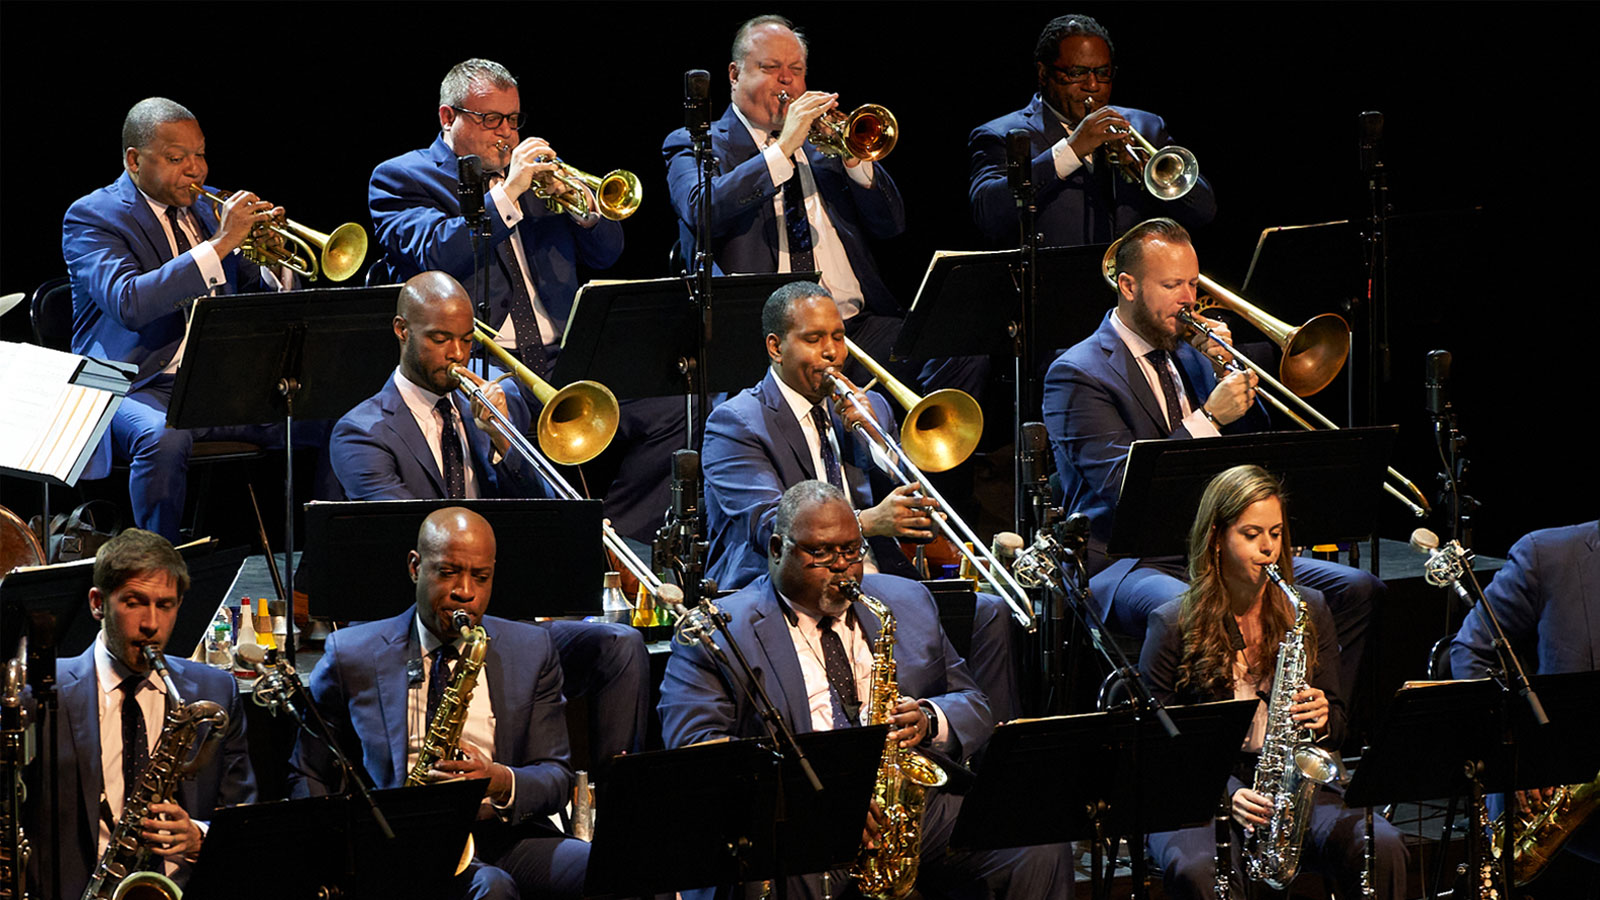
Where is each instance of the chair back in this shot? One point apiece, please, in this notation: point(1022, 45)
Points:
point(50, 308)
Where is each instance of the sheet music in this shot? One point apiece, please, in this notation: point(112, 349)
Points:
point(45, 420)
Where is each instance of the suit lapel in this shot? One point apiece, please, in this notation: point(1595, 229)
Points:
point(155, 236)
point(496, 675)
point(82, 705)
point(394, 685)
point(400, 421)
point(786, 686)
point(1124, 367)
point(741, 146)
point(782, 423)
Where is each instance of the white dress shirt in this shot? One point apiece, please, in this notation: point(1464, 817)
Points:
point(152, 699)
point(479, 727)
point(510, 214)
point(421, 402)
point(1194, 420)
point(800, 407)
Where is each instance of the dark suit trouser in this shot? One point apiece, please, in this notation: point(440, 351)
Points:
point(1334, 848)
point(606, 662)
point(534, 867)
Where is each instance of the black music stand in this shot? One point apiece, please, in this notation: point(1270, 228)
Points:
point(311, 354)
point(355, 556)
point(728, 829)
point(1317, 469)
point(1102, 775)
point(957, 599)
point(339, 846)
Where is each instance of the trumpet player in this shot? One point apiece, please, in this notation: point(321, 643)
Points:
point(138, 251)
point(111, 713)
point(1136, 378)
point(1070, 126)
point(514, 732)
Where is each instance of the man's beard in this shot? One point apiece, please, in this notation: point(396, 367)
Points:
point(1149, 327)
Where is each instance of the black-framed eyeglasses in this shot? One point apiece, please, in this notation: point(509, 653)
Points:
point(492, 120)
point(1079, 74)
point(821, 557)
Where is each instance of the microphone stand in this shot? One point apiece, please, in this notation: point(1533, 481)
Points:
point(1450, 444)
point(1375, 309)
point(1020, 174)
point(469, 194)
point(697, 118)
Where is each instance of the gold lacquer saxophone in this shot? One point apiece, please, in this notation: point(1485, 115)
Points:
point(904, 776)
point(444, 732)
point(1541, 832)
point(121, 873)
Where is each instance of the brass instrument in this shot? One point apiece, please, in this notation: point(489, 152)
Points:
point(577, 422)
point(940, 430)
point(617, 194)
point(120, 874)
point(867, 134)
point(904, 776)
point(16, 753)
point(1313, 354)
point(896, 461)
point(1291, 767)
point(1542, 831)
point(19, 545)
point(1167, 173)
point(443, 740)
point(341, 253)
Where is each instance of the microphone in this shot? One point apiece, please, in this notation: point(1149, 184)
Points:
point(469, 186)
point(1444, 567)
point(686, 495)
point(1073, 534)
point(1035, 454)
point(1019, 162)
point(1371, 134)
point(1437, 386)
point(696, 110)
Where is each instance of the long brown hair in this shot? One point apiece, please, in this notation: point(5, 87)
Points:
point(1207, 662)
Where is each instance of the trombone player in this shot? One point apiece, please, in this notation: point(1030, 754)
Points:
point(1070, 127)
point(138, 251)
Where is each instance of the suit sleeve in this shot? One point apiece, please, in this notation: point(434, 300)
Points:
point(697, 702)
point(733, 192)
point(1517, 594)
point(1161, 654)
point(740, 477)
point(100, 260)
point(417, 222)
point(366, 468)
point(544, 775)
point(994, 207)
point(313, 770)
point(882, 211)
point(965, 707)
point(238, 781)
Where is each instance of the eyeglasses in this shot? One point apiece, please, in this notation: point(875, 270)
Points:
point(492, 120)
point(1080, 74)
point(821, 557)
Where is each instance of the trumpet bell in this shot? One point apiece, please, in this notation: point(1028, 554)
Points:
point(1171, 173)
point(578, 422)
point(868, 133)
point(941, 430)
point(344, 251)
point(619, 194)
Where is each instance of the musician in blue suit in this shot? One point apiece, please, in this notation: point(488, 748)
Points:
point(376, 683)
point(813, 650)
point(139, 251)
point(139, 583)
point(1547, 599)
point(1110, 390)
point(766, 439)
point(1079, 197)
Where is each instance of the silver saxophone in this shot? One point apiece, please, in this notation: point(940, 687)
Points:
point(1291, 767)
point(16, 752)
point(121, 873)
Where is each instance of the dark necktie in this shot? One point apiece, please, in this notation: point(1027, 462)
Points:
point(1169, 388)
point(830, 461)
point(795, 224)
point(178, 236)
point(439, 677)
point(841, 678)
point(455, 473)
point(135, 745)
point(530, 340)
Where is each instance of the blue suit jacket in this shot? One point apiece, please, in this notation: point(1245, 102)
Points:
point(1083, 208)
point(379, 453)
point(416, 220)
point(129, 295)
point(361, 687)
point(1547, 598)
point(227, 781)
point(754, 451)
point(745, 229)
point(699, 704)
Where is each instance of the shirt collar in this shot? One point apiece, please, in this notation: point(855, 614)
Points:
point(761, 138)
point(798, 404)
point(796, 616)
point(1137, 345)
point(111, 672)
point(430, 641)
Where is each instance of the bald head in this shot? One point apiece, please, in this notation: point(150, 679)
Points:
point(453, 567)
point(433, 322)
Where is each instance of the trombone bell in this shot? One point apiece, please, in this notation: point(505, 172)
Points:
point(940, 430)
point(577, 422)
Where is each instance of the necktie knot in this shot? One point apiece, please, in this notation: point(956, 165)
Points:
point(130, 686)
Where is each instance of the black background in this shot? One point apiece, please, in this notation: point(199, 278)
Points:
point(1484, 103)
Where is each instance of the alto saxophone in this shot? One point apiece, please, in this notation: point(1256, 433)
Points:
point(904, 776)
point(1541, 832)
point(121, 871)
point(443, 740)
point(1291, 767)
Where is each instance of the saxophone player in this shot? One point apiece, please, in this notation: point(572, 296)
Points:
point(515, 730)
point(815, 646)
point(111, 716)
point(1220, 640)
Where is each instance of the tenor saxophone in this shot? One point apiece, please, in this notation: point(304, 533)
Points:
point(120, 874)
point(1542, 831)
point(1291, 767)
point(904, 776)
point(443, 740)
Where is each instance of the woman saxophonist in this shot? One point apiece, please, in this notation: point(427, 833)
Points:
point(1219, 640)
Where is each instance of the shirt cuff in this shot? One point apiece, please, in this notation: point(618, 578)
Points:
point(1199, 426)
point(511, 799)
point(205, 256)
point(780, 167)
point(861, 174)
point(1066, 161)
point(510, 213)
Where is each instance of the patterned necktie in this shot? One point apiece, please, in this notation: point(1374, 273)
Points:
point(1169, 387)
point(841, 678)
point(135, 744)
point(455, 473)
point(530, 340)
point(177, 231)
point(830, 460)
point(795, 223)
point(439, 677)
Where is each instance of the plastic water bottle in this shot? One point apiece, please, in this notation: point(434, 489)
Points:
point(219, 642)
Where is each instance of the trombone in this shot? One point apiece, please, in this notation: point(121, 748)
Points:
point(940, 430)
point(1167, 173)
point(341, 253)
point(669, 595)
point(867, 134)
point(577, 422)
point(894, 459)
point(1313, 354)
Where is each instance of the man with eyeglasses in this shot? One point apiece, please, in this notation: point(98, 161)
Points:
point(1080, 196)
point(816, 649)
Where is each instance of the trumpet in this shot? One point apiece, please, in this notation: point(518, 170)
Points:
point(896, 461)
point(617, 194)
point(341, 253)
point(867, 134)
point(1167, 173)
point(577, 422)
point(940, 430)
point(1312, 356)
